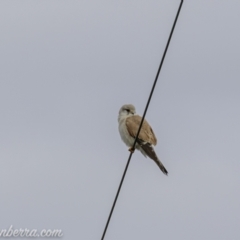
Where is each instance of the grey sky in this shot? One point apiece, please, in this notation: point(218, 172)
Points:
point(66, 69)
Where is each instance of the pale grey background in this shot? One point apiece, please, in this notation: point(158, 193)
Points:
point(66, 69)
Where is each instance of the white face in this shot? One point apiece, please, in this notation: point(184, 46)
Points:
point(127, 110)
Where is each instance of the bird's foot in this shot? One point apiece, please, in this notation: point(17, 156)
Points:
point(131, 150)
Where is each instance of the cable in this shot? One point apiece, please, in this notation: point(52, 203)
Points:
point(144, 114)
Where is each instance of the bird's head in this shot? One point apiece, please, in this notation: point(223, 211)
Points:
point(126, 110)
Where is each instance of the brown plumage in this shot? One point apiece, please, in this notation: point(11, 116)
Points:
point(148, 149)
point(146, 134)
point(146, 139)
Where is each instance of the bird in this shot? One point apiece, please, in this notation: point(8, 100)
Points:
point(128, 126)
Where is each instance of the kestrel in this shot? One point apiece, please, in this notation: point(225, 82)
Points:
point(128, 126)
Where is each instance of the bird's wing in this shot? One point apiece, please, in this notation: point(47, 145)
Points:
point(149, 151)
point(146, 134)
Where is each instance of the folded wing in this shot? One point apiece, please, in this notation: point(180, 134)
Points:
point(146, 134)
point(145, 139)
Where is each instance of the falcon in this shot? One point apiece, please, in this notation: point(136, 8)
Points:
point(128, 127)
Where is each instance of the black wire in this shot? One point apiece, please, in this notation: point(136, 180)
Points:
point(144, 114)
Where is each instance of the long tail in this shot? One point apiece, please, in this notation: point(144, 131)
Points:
point(148, 149)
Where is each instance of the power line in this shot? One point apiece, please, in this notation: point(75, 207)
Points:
point(144, 114)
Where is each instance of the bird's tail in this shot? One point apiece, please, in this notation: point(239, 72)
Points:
point(160, 165)
point(148, 149)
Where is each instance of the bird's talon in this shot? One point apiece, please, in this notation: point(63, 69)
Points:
point(131, 150)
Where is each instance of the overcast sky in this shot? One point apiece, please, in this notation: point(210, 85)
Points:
point(66, 69)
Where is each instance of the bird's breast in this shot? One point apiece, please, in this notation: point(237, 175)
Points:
point(127, 139)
